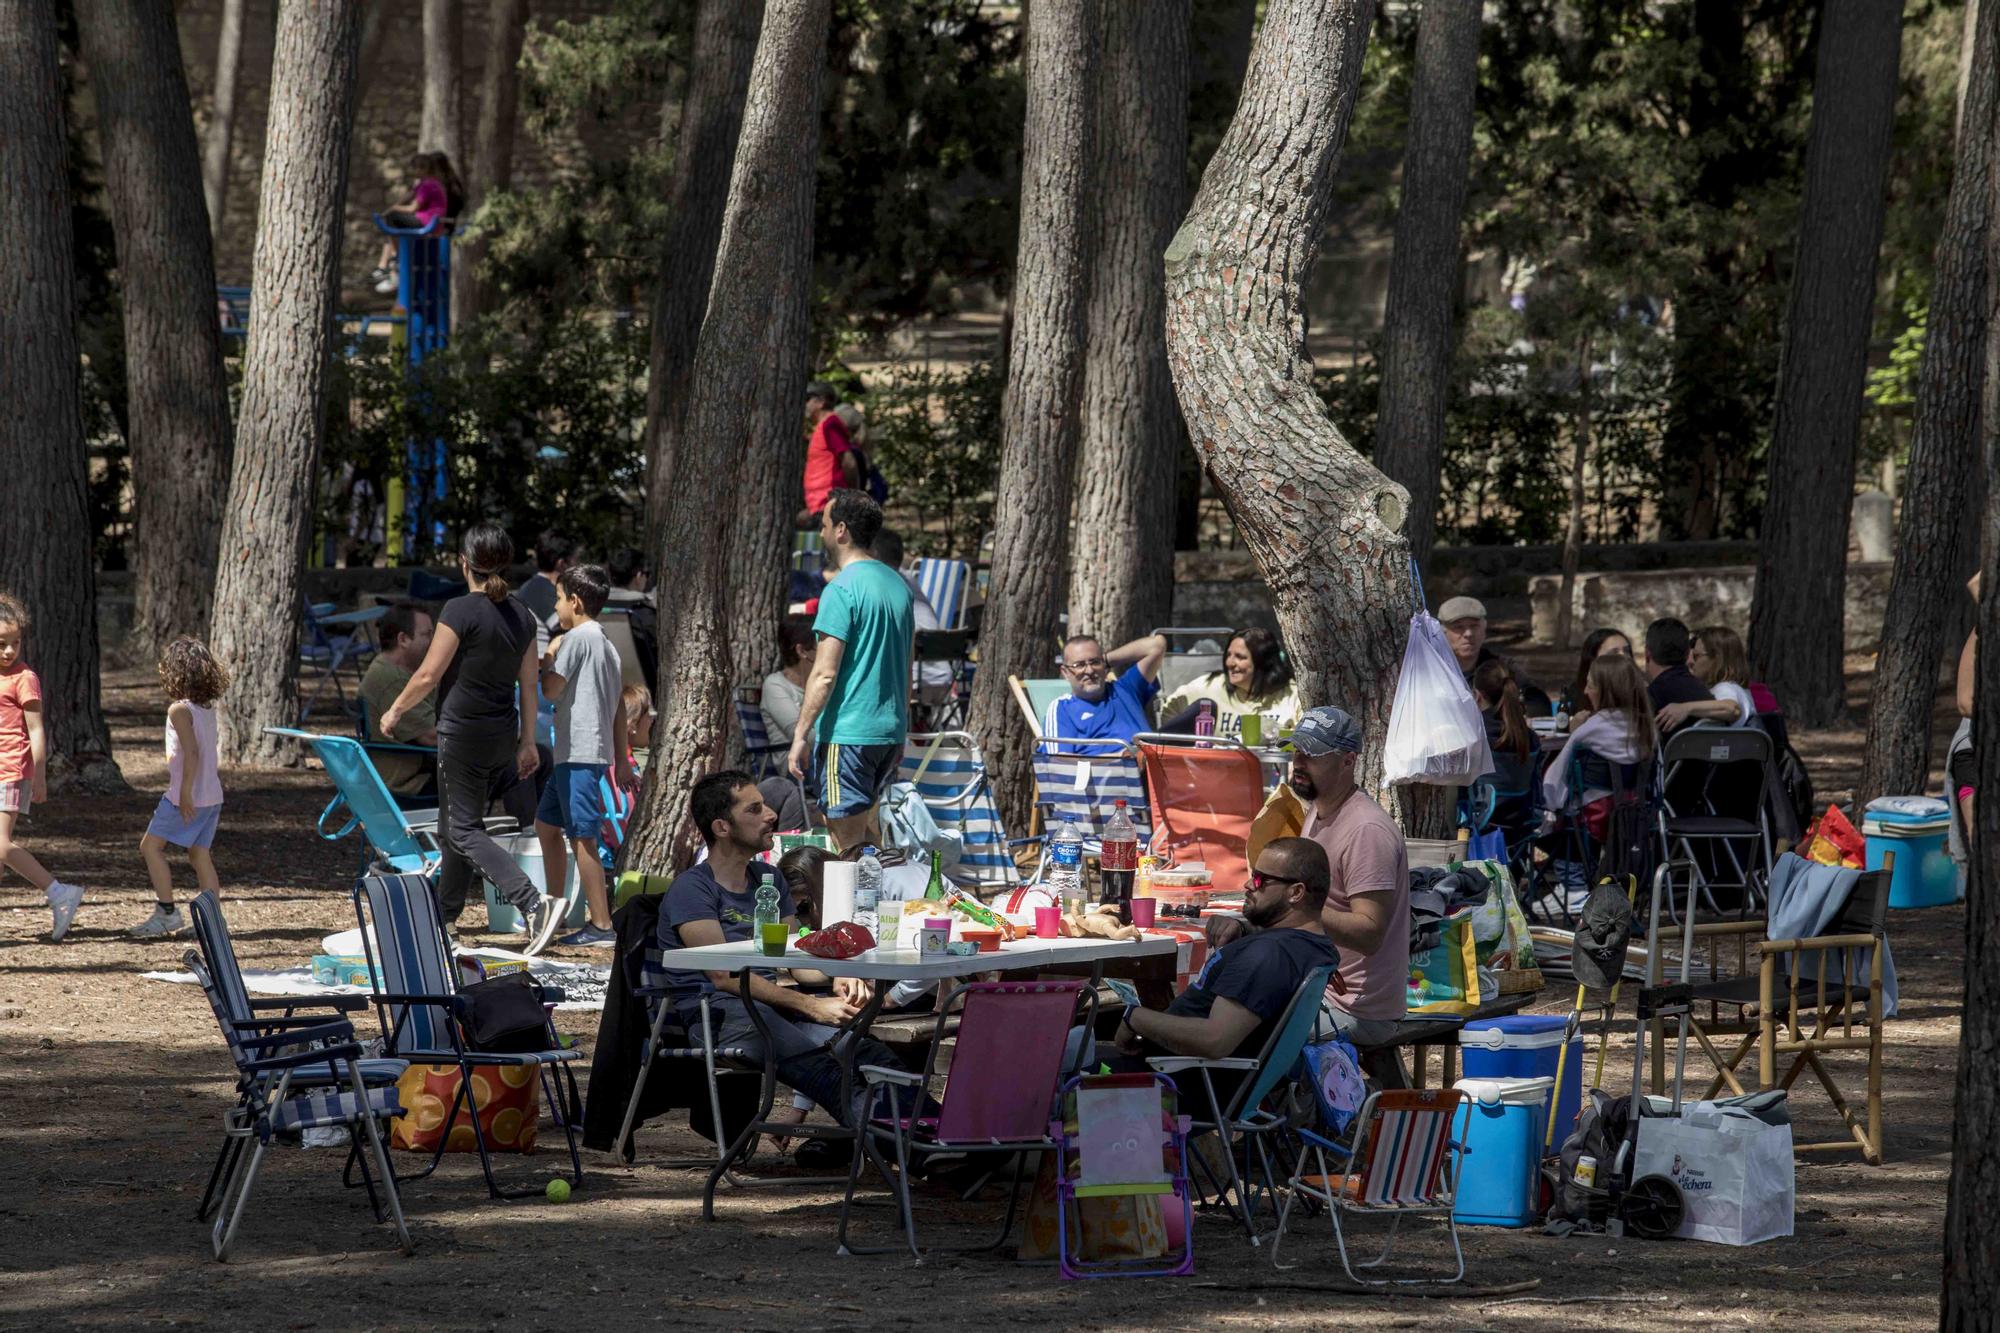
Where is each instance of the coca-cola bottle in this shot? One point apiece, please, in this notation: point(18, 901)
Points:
point(1117, 860)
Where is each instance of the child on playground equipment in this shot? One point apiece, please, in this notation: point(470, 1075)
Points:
point(24, 754)
point(436, 193)
point(187, 815)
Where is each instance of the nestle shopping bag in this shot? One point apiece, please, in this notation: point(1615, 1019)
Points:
point(1446, 980)
point(1436, 732)
point(1733, 1167)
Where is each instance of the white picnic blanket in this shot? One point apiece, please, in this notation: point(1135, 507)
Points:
point(583, 985)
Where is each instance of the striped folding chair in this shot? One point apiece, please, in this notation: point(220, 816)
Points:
point(944, 584)
point(1404, 1163)
point(417, 1001)
point(1085, 789)
point(767, 758)
point(949, 773)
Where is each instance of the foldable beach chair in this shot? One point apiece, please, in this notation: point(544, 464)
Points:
point(1122, 1136)
point(1086, 789)
point(616, 622)
point(375, 747)
point(1034, 697)
point(944, 584)
point(955, 790)
point(1714, 808)
point(417, 1001)
point(329, 644)
point(1186, 664)
point(954, 648)
point(399, 840)
point(1005, 1067)
point(1245, 1118)
point(1404, 1163)
point(1204, 794)
point(767, 758)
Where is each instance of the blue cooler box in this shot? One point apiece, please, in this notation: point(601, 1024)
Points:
point(1925, 875)
point(1526, 1046)
point(1501, 1123)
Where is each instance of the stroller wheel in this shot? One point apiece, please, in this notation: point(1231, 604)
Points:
point(1652, 1208)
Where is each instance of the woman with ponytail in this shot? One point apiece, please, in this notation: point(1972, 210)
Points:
point(484, 653)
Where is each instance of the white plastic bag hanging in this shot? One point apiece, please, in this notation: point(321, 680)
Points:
point(1436, 732)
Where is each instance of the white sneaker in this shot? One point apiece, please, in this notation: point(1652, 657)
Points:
point(64, 899)
point(163, 921)
point(543, 920)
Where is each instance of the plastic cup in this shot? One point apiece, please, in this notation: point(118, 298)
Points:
point(1253, 729)
point(1048, 922)
point(1142, 911)
point(771, 937)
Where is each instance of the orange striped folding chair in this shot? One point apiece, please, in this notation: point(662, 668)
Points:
point(1404, 1161)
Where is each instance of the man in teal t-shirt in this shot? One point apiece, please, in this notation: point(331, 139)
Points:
point(857, 705)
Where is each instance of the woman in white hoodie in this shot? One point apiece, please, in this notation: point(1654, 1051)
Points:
point(1619, 730)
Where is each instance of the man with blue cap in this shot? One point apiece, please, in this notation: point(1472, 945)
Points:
point(1367, 912)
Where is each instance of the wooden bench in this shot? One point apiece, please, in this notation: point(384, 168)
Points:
point(1384, 1062)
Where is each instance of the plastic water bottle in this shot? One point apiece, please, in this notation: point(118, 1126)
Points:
point(1119, 860)
point(1066, 866)
point(770, 927)
point(868, 892)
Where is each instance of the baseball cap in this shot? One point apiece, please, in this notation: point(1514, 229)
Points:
point(823, 391)
point(1602, 933)
point(1327, 730)
point(1461, 608)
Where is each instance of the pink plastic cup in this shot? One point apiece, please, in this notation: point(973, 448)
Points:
point(1048, 922)
point(1142, 911)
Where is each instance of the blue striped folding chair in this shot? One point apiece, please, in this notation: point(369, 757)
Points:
point(767, 758)
point(399, 840)
point(944, 584)
point(417, 1000)
point(949, 773)
point(1085, 789)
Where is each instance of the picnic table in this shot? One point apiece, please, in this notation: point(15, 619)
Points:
point(1421, 1032)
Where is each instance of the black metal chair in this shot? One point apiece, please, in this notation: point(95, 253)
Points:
point(1715, 812)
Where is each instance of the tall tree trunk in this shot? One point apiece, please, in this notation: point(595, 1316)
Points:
point(222, 116)
point(1572, 552)
point(1944, 452)
point(1039, 416)
point(749, 372)
point(1122, 572)
point(258, 590)
point(1796, 634)
point(1324, 525)
point(492, 165)
point(180, 428)
point(1417, 334)
point(45, 557)
point(442, 127)
point(725, 39)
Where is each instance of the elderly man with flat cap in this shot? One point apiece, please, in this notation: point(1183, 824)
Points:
point(1464, 621)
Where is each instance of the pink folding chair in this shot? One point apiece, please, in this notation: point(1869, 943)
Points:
point(1005, 1068)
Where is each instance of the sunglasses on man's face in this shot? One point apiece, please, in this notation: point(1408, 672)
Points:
point(1259, 880)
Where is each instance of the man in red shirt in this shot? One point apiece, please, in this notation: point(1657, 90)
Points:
point(831, 461)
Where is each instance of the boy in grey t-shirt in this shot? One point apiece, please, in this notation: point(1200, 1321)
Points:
point(581, 673)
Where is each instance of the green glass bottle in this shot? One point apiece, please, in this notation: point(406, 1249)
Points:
point(934, 891)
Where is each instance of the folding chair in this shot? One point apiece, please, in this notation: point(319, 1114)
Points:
point(956, 791)
point(417, 1001)
point(1004, 1071)
point(1122, 1136)
point(330, 643)
point(362, 728)
point(952, 647)
point(1178, 668)
point(1404, 1163)
point(1716, 796)
point(766, 758)
point(1245, 1116)
point(1625, 845)
point(1035, 698)
point(1084, 789)
point(1204, 794)
point(402, 841)
point(944, 584)
point(616, 622)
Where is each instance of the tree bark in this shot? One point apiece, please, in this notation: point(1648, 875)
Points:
point(222, 115)
point(45, 558)
point(1040, 422)
point(441, 129)
point(1324, 525)
point(492, 165)
point(1122, 572)
point(749, 373)
point(725, 40)
point(180, 428)
point(1796, 635)
point(296, 268)
point(1417, 327)
point(1944, 453)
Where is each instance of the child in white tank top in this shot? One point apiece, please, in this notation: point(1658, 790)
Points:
point(188, 813)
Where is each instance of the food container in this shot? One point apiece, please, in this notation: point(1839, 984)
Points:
point(1185, 904)
point(986, 941)
point(1186, 876)
point(961, 948)
point(340, 970)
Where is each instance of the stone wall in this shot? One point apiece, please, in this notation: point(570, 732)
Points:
point(1632, 599)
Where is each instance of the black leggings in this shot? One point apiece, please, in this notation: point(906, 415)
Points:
point(472, 773)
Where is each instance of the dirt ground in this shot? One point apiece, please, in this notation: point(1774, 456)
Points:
point(112, 1090)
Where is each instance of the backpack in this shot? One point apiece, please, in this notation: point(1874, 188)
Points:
point(1600, 1130)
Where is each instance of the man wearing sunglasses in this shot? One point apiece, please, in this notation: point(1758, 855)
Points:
point(1239, 1000)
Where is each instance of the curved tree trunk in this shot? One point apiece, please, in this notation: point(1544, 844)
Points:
point(1417, 341)
point(1944, 453)
point(749, 371)
point(45, 555)
point(442, 127)
point(1039, 417)
point(1324, 525)
point(179, 397)
point(222, 115)
point(1796, 635)
point(258, 590)
point(492, 166)
point(1122, 571)
point(725, 40)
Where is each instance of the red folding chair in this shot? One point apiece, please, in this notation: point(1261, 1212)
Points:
point(1205, 794)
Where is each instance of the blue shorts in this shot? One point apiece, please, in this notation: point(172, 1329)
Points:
point(850, 779)
point(572, 802)
point(168, 826)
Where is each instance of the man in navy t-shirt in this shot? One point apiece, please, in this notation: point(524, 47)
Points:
point(1098, 707)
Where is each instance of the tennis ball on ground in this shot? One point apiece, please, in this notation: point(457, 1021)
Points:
point(558, 1191)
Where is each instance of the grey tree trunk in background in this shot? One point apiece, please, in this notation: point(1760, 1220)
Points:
point(222, 112)
point(1796, 638)
point(1418, 340)
point(1040, 425)
point(45, 557)
point(1325, 526)
point(492, 164)
point(711, 116)
point(749, 371)
point(1122, 570)
point(180, 429)
point(296, 277)
point(442, 127)
point(1944, 453)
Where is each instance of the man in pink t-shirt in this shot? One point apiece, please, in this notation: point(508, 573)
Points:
point(831, 461)
point(1367, 911)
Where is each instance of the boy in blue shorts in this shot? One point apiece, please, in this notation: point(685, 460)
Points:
point(582, 675)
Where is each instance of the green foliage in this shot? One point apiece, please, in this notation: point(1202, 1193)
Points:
point(936, 436)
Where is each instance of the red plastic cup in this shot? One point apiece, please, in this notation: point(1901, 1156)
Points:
point(1048, 922)
point(1142, 911)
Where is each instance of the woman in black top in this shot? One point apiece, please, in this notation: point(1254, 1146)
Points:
point(484, 653)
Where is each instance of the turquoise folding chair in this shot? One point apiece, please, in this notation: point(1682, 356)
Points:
point(401, 841)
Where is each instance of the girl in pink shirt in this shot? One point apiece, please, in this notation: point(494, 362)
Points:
point(24, 754)
point(436, 194)
point(188, 813)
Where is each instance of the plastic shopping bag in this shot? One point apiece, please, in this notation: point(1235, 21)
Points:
point(1436, 732)
point(1733, 1168)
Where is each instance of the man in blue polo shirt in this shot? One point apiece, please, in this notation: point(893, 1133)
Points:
point(1097, 707)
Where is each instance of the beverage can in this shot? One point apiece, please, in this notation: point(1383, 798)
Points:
point(1586, 1172)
